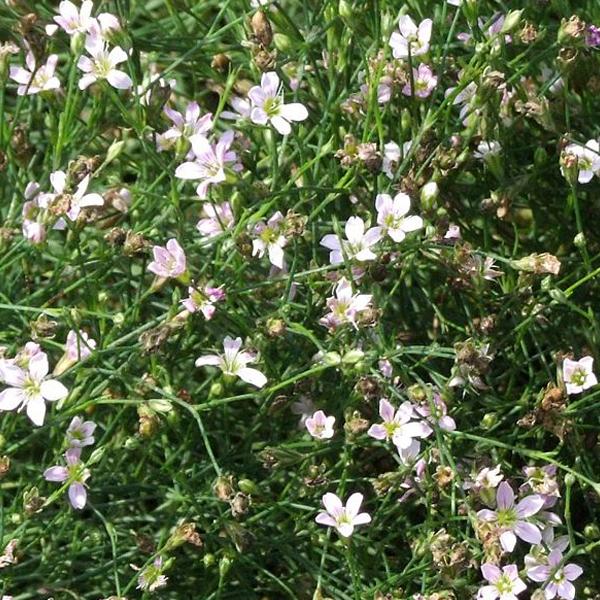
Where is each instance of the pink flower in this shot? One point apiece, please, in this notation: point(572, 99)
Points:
point(578, 375)
point(391, 216)
point(385, 368)
point(270, 239)
point(203, 300)
point(357, 245)
point(75, 473)
point(184, 125)
point(437, 413)
point(511, 519)
point(34, 80)
point(268, 106)
point(210, 162)
point(79, 345)
point(80, 433)
point(464, 99)
point(30, 389)
point(398, 425)
point(73, 20)
point(168, 261)
point(425, 82)
point(557, 578)
point(151, 578)
point(102, 64)
point(411, 40)
point(343, 518)
point(344, 306)
point(320, 426)
point(217, 219)
point(233, 362)
point(504, 584)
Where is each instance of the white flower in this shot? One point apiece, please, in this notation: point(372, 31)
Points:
point(578, 375)
point(30, 389)
point(357, 245)
point(267, 105)
point(34, 80)
point(392, 155)
point(103, 64)
point(485, 149)
point(217, 219)
point(270, 239)
point(79, 199)
point(233, 362)
point(344, 306)
point(411, 40)
point(343, 518)
point(587, 159)
point(73, 20)
point(391, 216)
point(320, 426)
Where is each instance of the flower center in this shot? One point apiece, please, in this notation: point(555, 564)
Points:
point(578, 377)
point(507, 517)
point(272, 106)
point(31, 388)
point(102, 66)
point(504, 585)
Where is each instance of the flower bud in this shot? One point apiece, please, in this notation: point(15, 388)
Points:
point(429, 194)
point(579, 240)
point(512, 20)
point(261, 28)
point(283, 43)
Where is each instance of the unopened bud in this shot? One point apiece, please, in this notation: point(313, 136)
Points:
point(261, 27)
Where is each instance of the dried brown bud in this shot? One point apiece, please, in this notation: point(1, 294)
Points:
point(240, 505)
point(276, 327)
point(145, 543)
point(540, 264)
point(224, 487)
point(529, 33)
point(43, 327)
point(135, 244)
point(220, 62)
point(356, 424)
point(81, 167)
point(261, 28)
point(32, 501)
point(148, 425)
point(265, 61)
point(116, 236)
point(443, 476)
point(4, 466)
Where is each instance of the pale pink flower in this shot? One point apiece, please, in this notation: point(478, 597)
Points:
point(505, 584)
point(399, 426)
point(486, 149)
point(217, 219)
point(184, 125)
point(103, 64)
point(556, 576)
point(437, 413)
point(78, 200)
point(210, 162)
point(320, 426)
point(385, 368)
point(344, 306)
point(343, 518)
point(268, 105)
point(411, 40)
point(578, 375)
point(391, 216)
point(542, 481)
point(357, 245)
point(72, 19)
point(425, 82)
point(487, 479)
point(203, 300)
point(79, 346)
point(8, 555)
point(538, 554)
point(464, 99)
point(511, 519)
point(270, 239)
point(29, 388)
point(242, 109)
point(169, 261)
point(34, 80)
point(80, 433)
point(151, 578)
point(233, 362)
point(75, 473)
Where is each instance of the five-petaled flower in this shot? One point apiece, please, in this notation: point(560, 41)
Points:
point(556, 576)
point(233, 362)
point(425, 82)
point(268, 105)
point(102, 64)
point(75, 473)
point(80, 433)
point(357, 244)
point(344, 306)
point(511, 519)
point(29, 388)
point(504, 584)
point(271, 239)
point(210, 162)
point(34, 80)
point(343, 518)
point(411, 40)
point(578, 375)
point(391, 215)
point(320, 426)
point(168, 261)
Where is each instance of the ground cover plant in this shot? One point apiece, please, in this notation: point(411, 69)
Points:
point(299, 299)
